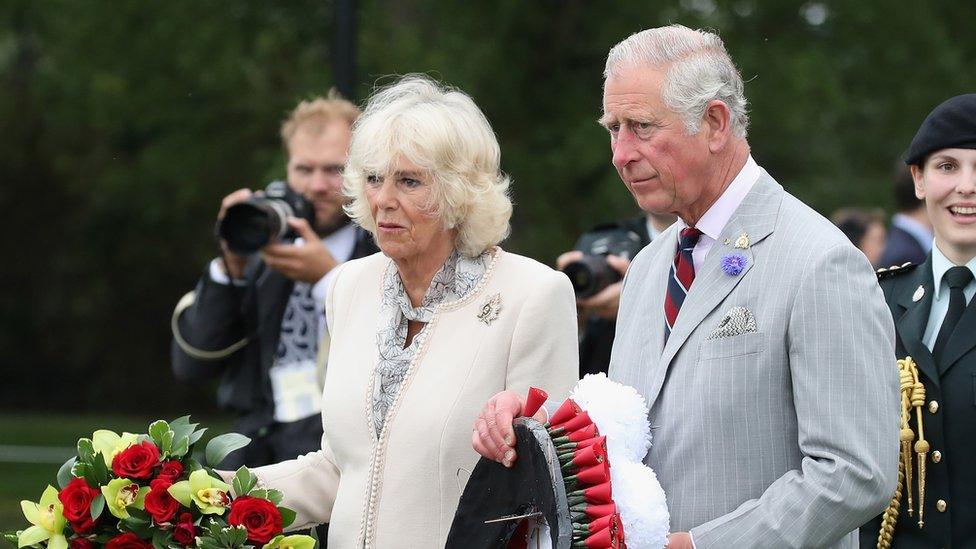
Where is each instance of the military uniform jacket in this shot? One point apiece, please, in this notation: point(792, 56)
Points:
point(949, 417)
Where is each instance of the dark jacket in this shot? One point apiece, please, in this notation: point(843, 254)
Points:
point(223, 314)
point(901, 247)
point(597, 334)
point(949, 418)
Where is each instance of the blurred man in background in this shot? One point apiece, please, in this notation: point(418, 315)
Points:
point(598, 312)
point(865, 228)
point(910, 233)
point(257, 320)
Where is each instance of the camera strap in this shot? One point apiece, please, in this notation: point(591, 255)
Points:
point(184, 303)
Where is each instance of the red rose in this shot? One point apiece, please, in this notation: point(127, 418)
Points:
point(159, 503)
point(127, 540)
point(171, 471)
point(136, 461)
point(83, 526)
point(76, 498)
point(81, 543)
point(259, 517)
point(185, 532)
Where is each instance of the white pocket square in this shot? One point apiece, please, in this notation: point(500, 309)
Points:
point(738, 320)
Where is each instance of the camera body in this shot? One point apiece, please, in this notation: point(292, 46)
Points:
point(254, 223)
point(592, 273)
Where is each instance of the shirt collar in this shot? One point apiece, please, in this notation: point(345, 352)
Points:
point(718, 215)
point(941, 264)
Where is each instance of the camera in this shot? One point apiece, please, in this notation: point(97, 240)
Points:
point(592, 273)
point(251, 225)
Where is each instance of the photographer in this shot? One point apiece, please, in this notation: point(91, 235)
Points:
point(597, 301)
point(256, 316)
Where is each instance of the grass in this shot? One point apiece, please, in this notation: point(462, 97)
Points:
point(27, 478)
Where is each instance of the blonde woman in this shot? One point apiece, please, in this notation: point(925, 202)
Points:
point(425, 332)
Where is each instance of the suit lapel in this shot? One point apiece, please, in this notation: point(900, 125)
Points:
point(755, 217)
point(911, 323)
point(962, 339)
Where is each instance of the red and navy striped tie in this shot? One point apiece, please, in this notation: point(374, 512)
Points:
point(681, 276)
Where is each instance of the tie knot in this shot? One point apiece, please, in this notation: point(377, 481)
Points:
point(958, 277)
point(689, 237)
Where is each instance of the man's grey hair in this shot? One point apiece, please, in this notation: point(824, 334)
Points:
point(699, 70)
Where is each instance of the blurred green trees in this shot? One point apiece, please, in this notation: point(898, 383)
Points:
point(123, 123)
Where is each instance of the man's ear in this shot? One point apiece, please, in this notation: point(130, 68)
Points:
point(919, 182)
point(718, 123)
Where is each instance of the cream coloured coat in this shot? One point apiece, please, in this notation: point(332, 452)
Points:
point(402, 489)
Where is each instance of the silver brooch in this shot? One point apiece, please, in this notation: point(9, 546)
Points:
point(490, 309)
point(919, 292)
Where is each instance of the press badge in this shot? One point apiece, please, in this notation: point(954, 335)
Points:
point(296, 390)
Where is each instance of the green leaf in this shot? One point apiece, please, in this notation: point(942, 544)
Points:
point(260, 493)
point(243, 482)
point(275, 496)
point(97, 506)
point(287, 516)
point(86, 452)
point(64, 473)
point(166, 444)
point(180, 421)
point(196, 435)
point(157, 430)
point(99, 471)
point(161, 539)
point(220, 446)
point(180, 447)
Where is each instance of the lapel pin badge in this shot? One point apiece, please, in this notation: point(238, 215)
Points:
point(490, 309)
point(742, 242)
point(919, 292)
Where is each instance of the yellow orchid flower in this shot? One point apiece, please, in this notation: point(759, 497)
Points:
point(212, 496)
point(48, 521)
point(110, 443)
point(290, 542)
point(122, 493)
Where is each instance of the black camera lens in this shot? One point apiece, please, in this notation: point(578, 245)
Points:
point(253, 224)
point(590, 274)
point(249, 226)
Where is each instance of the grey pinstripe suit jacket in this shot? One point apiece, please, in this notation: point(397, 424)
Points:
point(782, 437)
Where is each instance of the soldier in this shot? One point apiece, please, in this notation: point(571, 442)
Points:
point(935, 318)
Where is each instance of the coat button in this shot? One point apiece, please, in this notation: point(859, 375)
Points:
point(940, 506)
point(936, 456)
point(933, 406)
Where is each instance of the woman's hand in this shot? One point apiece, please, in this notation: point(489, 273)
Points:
point(493, 436)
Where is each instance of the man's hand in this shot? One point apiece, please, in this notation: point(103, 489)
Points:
point(493, 435)
point(233, 263)
point(606, 302)
point(680, 540)
point(307, 262)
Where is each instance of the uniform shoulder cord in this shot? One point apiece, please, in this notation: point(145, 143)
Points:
point(912, 399)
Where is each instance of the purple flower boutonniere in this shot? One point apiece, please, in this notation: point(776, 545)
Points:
point(733, 264)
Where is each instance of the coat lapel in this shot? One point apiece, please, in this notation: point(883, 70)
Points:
point(911, 323)
point(755, 217)
point(962, 339)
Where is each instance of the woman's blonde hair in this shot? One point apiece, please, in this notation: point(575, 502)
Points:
point(444, 133)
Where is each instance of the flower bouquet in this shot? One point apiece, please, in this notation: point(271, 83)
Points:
point(146, 491)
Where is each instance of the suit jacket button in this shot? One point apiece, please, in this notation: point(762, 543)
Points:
point(936, 456)
point(933, 406)
point(941, 505)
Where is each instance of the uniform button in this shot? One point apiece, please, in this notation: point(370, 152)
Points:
point(933, 406)
point(940, 506)
point(936, 456)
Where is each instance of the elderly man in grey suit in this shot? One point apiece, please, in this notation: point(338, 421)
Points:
point(753, 328)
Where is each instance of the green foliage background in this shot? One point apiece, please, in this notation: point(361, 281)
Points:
point(124, 122)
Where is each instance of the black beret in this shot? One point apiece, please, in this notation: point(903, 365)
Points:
point(951, 125)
